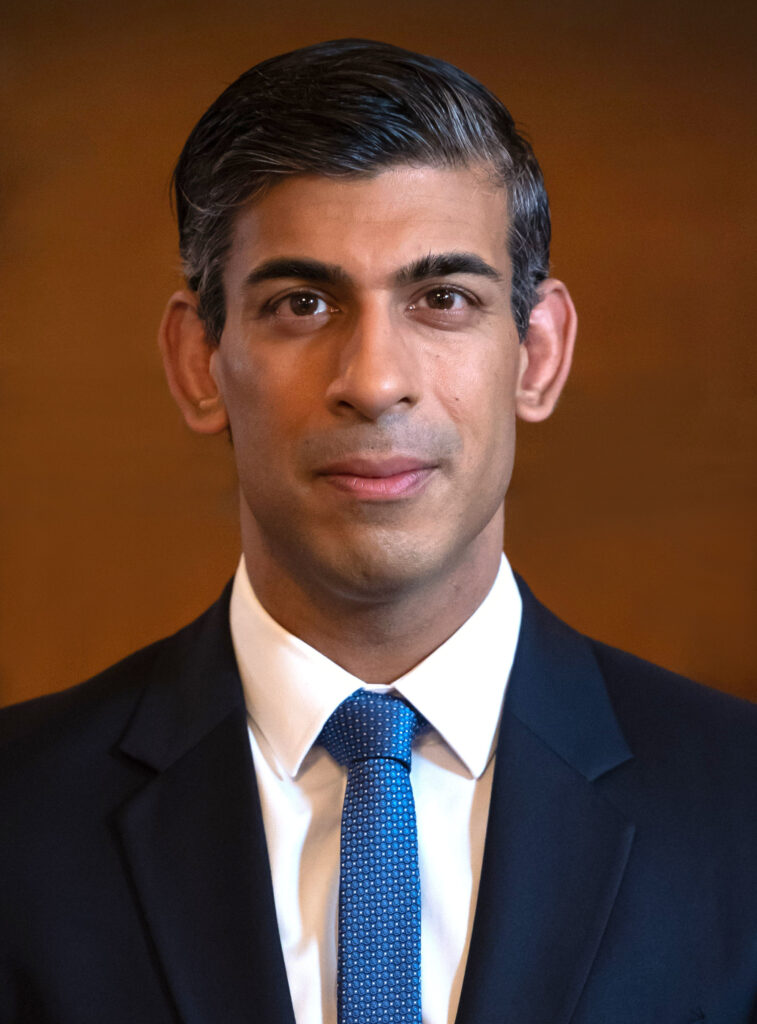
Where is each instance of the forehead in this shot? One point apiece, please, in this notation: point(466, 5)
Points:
point(370, 226)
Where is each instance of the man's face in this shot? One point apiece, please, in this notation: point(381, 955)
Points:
point(368, 366)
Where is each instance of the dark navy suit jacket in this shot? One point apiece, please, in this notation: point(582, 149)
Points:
point(619, 882)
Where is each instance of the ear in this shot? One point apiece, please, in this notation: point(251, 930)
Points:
point(546, 352)
point(187, 352)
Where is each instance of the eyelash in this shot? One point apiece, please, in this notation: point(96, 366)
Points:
point(272, 306)
point(453, 290)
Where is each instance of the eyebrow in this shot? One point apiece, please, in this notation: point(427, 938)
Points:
point(432, 265)
point(305, 269)
point(445, 263)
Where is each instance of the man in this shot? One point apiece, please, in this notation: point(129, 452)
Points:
point(365, 239)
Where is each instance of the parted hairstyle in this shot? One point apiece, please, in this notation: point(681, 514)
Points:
point(343, 109)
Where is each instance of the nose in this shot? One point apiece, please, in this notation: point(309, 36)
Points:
point(377, 367)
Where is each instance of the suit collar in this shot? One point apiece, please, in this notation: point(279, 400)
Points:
point(193, 836)
point(194, 685)
point(556, 848)
point(557, 690)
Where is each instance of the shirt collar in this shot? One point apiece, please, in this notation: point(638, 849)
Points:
point(291, 689)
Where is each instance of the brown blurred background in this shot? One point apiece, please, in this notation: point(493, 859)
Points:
point(632, 510)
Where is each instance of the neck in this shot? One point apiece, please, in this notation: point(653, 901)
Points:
point(376, 638)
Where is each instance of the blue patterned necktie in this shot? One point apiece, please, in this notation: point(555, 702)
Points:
point(379, 969)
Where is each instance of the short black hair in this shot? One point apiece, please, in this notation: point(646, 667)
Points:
point(347, 108)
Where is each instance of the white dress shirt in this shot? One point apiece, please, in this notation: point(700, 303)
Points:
point(291, 689)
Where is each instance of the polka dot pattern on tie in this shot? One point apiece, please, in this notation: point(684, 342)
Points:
point(379, 889)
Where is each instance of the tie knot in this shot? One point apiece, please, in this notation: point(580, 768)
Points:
point(368, 725)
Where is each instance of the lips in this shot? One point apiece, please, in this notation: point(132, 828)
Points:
point(378, 478)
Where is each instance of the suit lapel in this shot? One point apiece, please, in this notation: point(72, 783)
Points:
point(556, 849)
point(193, 836)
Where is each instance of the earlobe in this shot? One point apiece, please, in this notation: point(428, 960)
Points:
point(547, 352)
point(187, 353)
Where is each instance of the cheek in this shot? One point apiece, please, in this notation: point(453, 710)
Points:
point(260, 398)
point(480, 395)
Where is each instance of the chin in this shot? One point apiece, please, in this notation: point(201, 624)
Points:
point(383, 568)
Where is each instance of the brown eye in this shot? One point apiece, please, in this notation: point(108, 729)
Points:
point(444, 307)
point(305, 304)
point(446, 300)
point(441, 298)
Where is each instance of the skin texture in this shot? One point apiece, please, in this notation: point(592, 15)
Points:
point(372, 402)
